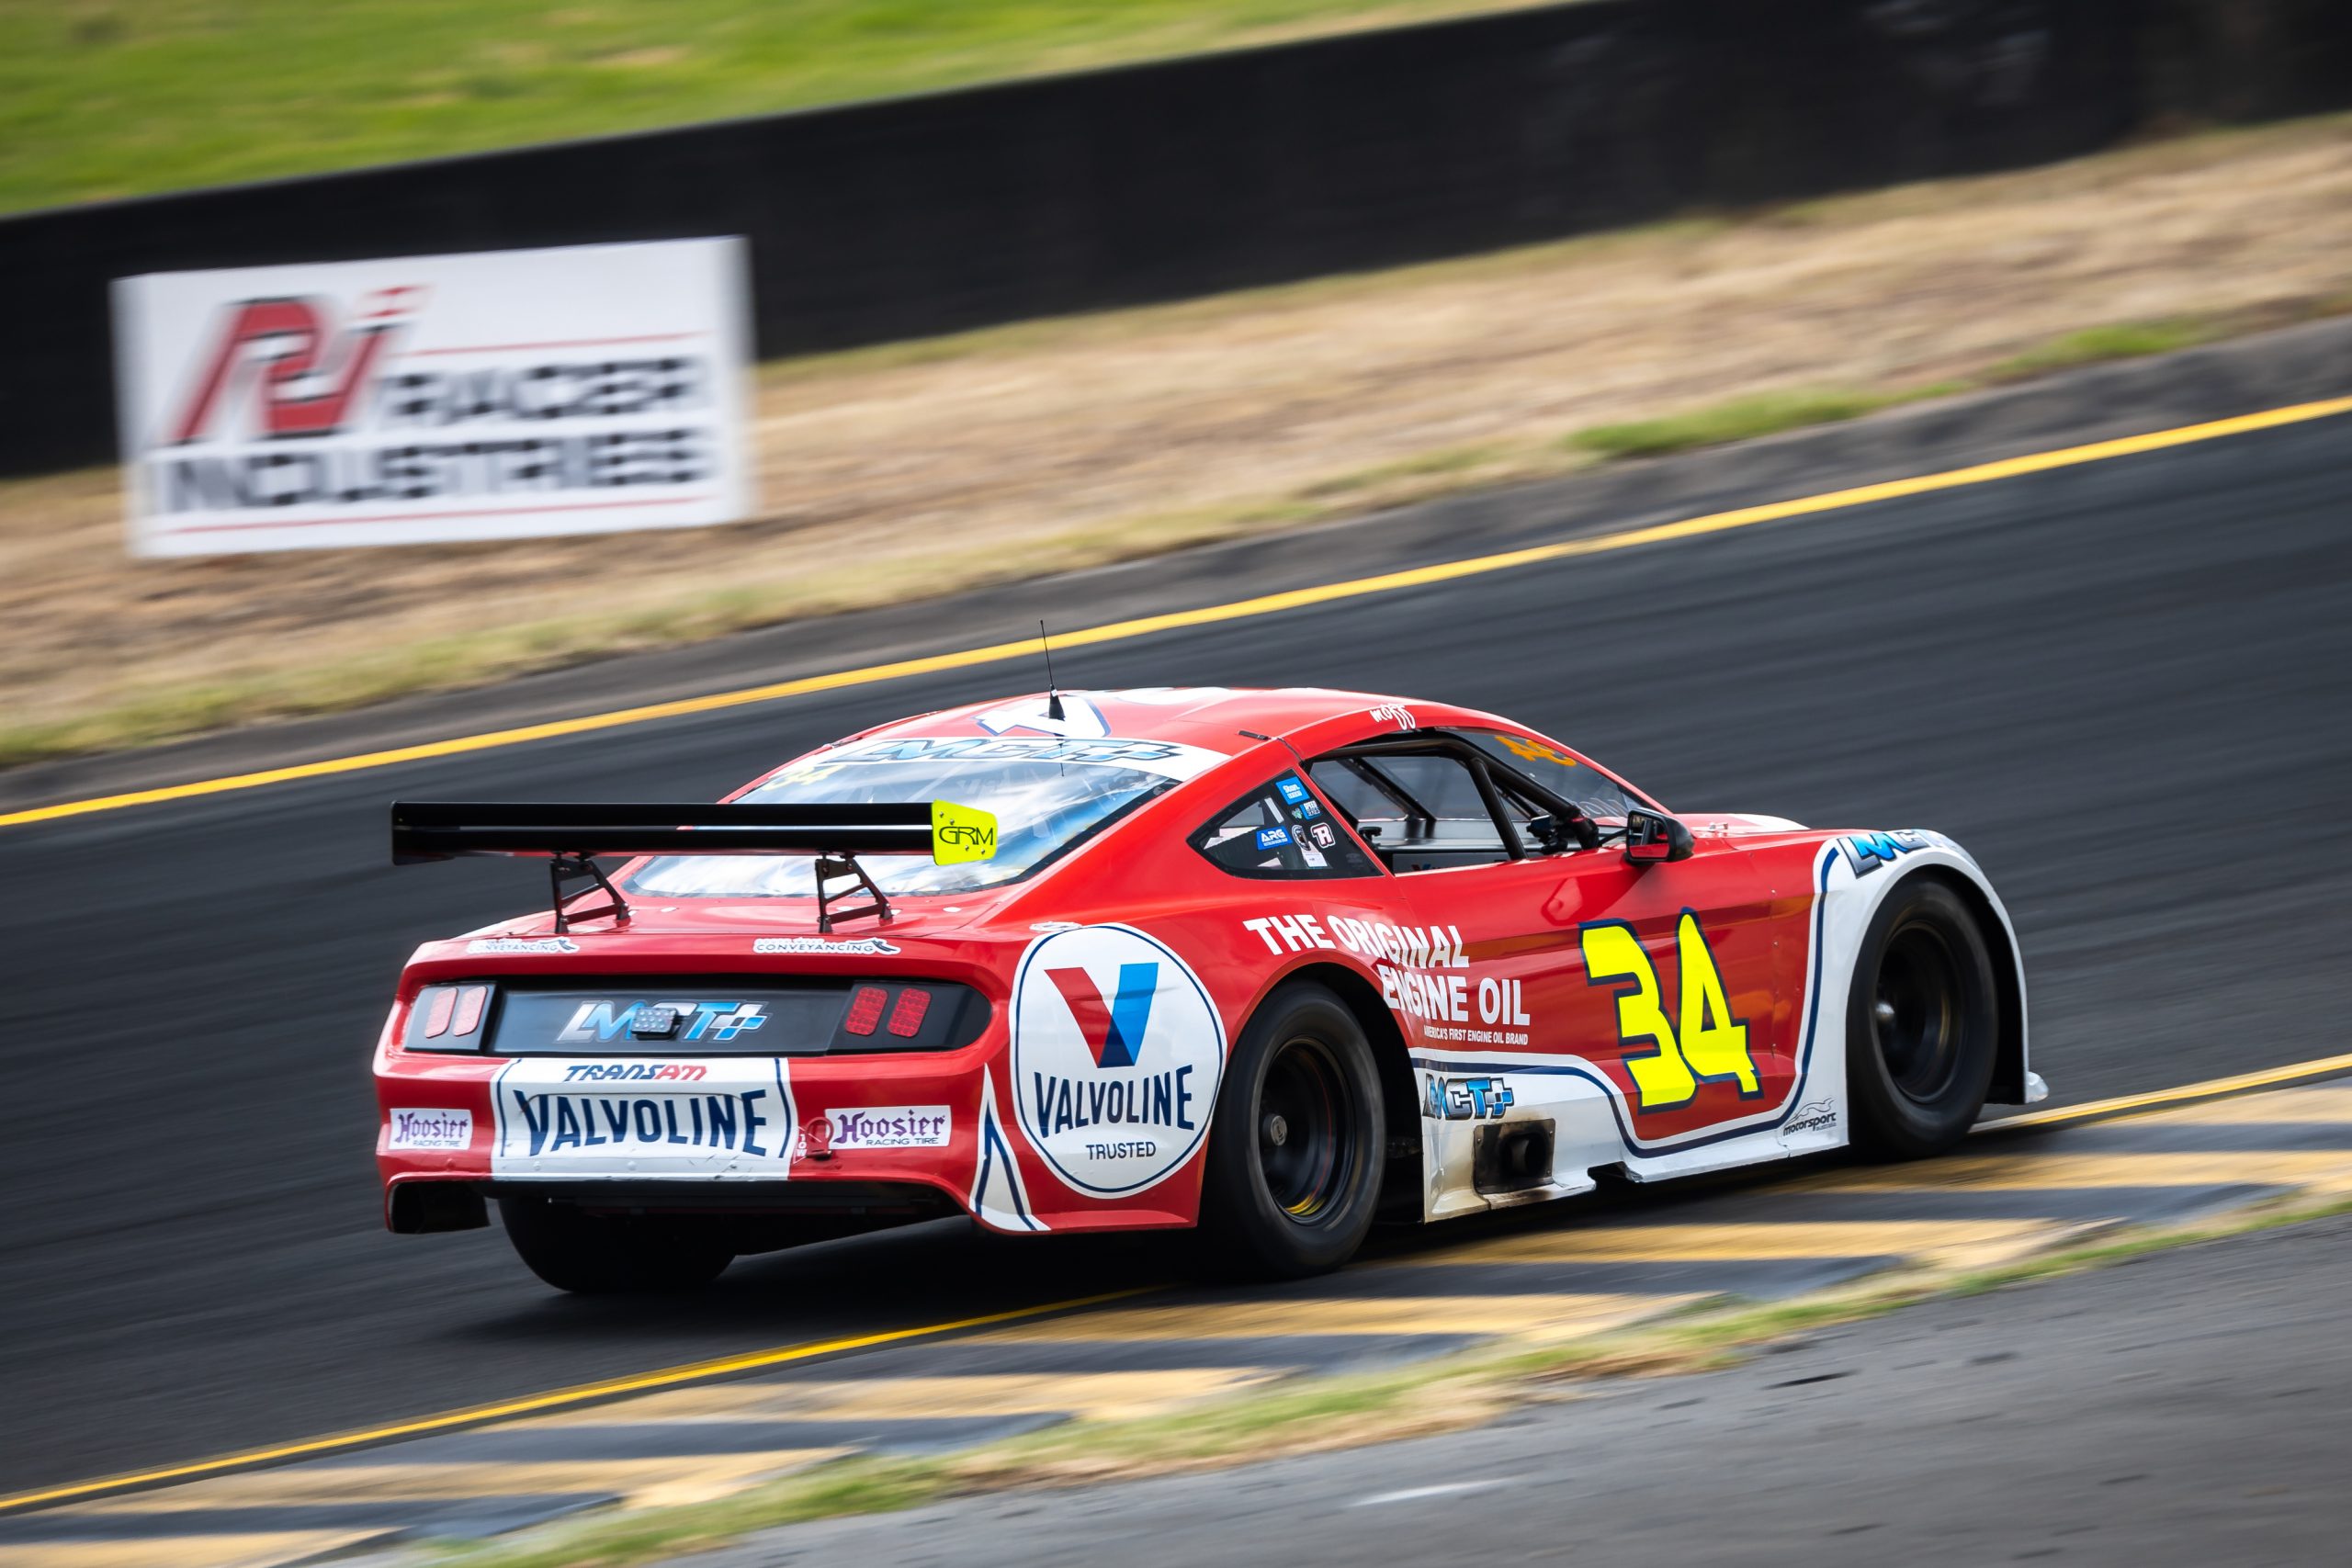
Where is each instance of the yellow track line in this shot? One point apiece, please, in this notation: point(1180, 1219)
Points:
point(2210, 1088)
point(698, 1370)
point(1241, 609)
point(636, 1382)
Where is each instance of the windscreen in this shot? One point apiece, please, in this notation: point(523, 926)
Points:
point(1047, 796)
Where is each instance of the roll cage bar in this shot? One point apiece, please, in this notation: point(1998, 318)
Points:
point(1485, 770)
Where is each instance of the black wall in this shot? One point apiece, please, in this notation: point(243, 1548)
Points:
point(922, 215)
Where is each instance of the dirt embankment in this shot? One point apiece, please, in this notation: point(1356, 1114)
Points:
point(919, 468)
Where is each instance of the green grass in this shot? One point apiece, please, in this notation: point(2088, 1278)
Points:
point(2095, 346)
point(1742, 419)
point(116, 97)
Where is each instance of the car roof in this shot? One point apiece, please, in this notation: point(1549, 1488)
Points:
point(1230, 719)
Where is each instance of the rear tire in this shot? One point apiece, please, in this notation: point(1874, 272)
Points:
point(1922, 1024)
point(592, 1254)
point(1294, 1157)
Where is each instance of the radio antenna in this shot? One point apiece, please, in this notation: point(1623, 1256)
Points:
point(1053, 690)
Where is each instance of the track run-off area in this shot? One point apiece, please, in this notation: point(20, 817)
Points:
point(2121, 680)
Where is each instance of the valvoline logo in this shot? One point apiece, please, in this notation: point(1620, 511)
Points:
point(1112, 1031)
point(1116, 1054)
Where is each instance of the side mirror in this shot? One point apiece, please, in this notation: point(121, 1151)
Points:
point(1653, 838)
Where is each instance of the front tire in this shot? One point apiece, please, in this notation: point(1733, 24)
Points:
point(592, 1254)
point(1295, 1159)
point(1922, 1024)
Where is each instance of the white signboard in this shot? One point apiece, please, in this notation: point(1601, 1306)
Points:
point(574, 390)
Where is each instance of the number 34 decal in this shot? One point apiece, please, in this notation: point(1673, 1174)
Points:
point(1704, 1043)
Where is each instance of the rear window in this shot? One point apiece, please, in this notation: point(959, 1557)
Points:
point(1048, 795)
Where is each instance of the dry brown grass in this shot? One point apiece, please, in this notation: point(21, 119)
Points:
point(914, 470)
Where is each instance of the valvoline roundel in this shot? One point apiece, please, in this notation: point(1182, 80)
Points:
point(1116, 1055)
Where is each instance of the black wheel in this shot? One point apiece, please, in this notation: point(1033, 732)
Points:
point(1294, 1157)
point(592, 1254)
point(1923, 1024)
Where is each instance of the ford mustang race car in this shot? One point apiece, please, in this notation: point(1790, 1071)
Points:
point(1269, 963)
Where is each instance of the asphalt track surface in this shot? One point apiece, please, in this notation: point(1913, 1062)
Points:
point(2180, 1410)
point(2123, 685)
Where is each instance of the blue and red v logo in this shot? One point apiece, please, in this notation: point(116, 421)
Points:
point(1113, 1033)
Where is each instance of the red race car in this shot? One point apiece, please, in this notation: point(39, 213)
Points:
point(1273, 962)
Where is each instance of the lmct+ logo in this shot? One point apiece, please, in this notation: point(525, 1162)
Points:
point(1114, 1032)
point(602, 1021)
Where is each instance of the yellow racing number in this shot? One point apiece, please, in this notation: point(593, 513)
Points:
point(1707, 1043)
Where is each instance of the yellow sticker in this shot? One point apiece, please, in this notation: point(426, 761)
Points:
point(1535, 750)
point(960, 833)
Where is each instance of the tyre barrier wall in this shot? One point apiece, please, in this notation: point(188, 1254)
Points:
point(909, 217)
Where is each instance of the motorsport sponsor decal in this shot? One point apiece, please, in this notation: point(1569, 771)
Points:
point(1466, 1100)
point(522, 944)
point(1398, 714)
point(1420, 974)
point(431, 1129)
point(1273, 838)
point(1534, 750)
point(1116, 1053)
point(635, 1072)
point(1293, 791)
point(1321, 836)
point(1079, 720)
point(1814, 1116)
point(888, 1126)
point(1166, 759)
point(643, 1119)
point(857, 947)
point(598, 1022)
point(1865, 852)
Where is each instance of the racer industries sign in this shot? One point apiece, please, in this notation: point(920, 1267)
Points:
point(580, 390)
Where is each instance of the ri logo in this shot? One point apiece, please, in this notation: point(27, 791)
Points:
point(303, 376)
point(1113, 1027)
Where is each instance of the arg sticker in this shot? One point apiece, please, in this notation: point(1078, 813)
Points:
point(423, 1129)
point(1116, 1053)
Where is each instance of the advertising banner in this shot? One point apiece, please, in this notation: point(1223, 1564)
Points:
point(585, 389)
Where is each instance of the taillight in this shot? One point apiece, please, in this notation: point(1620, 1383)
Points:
point(448, 1017)
point(865, 1010)
point(907, 1017)
point(928, 1015)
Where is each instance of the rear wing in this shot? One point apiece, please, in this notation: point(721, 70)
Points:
point(570, 836)
point(438, 829)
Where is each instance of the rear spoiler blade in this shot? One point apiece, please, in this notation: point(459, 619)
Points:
point(435, 830)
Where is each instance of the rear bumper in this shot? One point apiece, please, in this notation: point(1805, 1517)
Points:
point(760, 1133)
point(429, 1203)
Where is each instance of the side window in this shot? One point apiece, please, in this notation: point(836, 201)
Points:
point(1281, 830)
point(1556, 770)
point(1420, 812)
